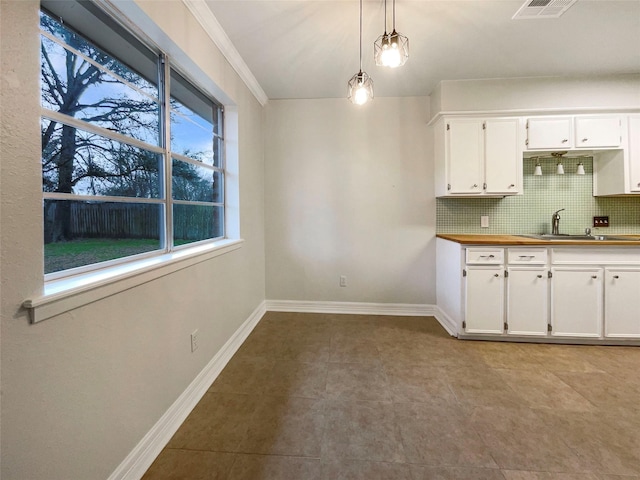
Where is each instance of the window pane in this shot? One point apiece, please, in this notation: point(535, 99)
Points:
point(192, 223)
point(82, 233)
point(73, 86)
point(83, 163)
point(196, 184)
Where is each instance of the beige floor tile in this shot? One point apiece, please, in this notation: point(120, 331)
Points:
point(519, 440)
point(360, 430)
point(421, 472)
point(481, 386)
point(542, 389)
point(269, 467)
point(285, 426)
point(296, 379)
point(603, 445)
point(347, 350)
point(218, 423)
point(189, 464)
point(440, 435)
point(418, 383)
point(243, 375)
point(340, 469)
point(562, 358)
point(515, 356)
point(522, 475)
point(357, 381)
point(603, 389)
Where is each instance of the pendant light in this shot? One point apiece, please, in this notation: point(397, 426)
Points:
point(361, 84)
point(580, 168)
point(391, 49)
point(538, 170)
point(559, 166)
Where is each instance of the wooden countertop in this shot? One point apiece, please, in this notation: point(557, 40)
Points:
point(471, 239)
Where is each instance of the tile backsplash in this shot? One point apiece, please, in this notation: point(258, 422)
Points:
point(543, 195)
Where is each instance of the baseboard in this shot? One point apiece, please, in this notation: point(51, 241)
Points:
point(354, 308)
point(447, 322)
point(142, 456)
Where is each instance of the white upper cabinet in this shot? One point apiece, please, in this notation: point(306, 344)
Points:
point(634, 153)
point(477, 157)
point(598, 131)
point(550, 133)
point(574, 132)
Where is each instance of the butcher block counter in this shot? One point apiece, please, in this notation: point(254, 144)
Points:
point(475, 239)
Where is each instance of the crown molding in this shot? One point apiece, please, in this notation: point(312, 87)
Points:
point(212, 27)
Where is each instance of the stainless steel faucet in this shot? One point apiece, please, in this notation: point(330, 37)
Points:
point(555, 223)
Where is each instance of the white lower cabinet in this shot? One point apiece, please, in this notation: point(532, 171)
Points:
point(622, 302)
point(527, 301)
point(484, 299)
point(576, 301)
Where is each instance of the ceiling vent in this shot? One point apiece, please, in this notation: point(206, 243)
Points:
point(542, 9)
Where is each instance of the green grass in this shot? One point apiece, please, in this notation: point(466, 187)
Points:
point(76, 253)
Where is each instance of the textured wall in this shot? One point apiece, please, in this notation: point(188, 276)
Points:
point(80, 390)
point(349, 191)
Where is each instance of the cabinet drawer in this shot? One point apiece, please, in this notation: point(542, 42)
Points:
point(485, 256)
point(529, 256)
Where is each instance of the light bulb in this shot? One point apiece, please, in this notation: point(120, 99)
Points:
point(391, 57)
point(361, 96)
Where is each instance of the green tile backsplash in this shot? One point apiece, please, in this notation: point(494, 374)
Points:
point(543, 195)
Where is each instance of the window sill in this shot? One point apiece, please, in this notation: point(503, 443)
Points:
point(69, 293)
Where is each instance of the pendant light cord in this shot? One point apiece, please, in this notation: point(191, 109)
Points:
point(394, 14)
point(360, 35)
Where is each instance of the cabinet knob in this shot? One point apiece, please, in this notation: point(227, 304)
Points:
point(585, 139)
point(539, 276)
point(616, 276)
point(475, 185)
point(496, 275)
point(511, 186)
point(594, 276)
point(565, 140)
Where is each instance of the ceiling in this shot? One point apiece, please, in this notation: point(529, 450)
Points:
point(309, 48)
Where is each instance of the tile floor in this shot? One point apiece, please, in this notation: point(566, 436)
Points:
point(337, 397)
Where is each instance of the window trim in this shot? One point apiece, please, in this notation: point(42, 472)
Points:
point(67, 283)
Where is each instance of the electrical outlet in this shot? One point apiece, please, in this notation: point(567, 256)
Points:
point(194, 341)
point(343, 280)
point(484, 221)
point(601, 221)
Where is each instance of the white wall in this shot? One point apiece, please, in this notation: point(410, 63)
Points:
point(349, 191)
point(613, 91)
point(81, 389)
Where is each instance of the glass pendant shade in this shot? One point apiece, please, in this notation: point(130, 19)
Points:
point(560, 169)
point(360, 88)
point(580, 169)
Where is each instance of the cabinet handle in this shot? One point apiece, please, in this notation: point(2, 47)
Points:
point(585, 139)
point(616, 276)
point(496, 275)
point(565, 140)
point(487, 256)
point(539, 276)
point(475, 185)
point(594, 276)
point(511, 186)
point(526, 256)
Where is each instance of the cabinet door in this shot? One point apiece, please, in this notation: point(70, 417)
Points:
point(634, 153)
point(465, 150)
point(484, 300)
point(622, 302)
point(598, 131)
point(576, 301)
point(549, 133)
point(527, 305)
point(502, 156)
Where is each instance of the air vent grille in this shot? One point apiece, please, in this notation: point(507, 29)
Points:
point(543, 9)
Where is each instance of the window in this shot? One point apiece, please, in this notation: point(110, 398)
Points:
point(132, 151)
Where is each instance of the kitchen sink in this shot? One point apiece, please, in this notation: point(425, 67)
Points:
point(549, 236)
